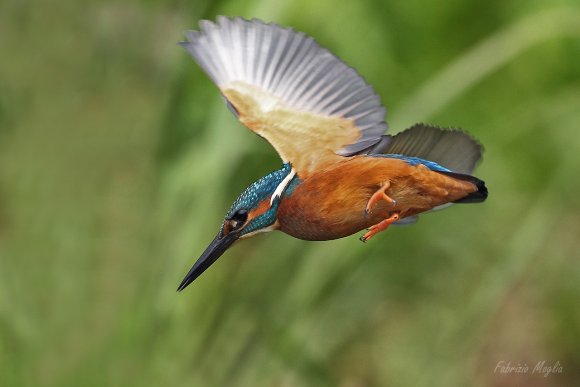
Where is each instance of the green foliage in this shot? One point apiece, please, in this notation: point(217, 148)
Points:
point(118, 161)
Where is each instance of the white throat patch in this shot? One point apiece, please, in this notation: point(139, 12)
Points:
point(271, 227)
point(282, 186)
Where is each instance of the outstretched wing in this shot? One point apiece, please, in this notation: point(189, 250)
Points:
point(286, 88)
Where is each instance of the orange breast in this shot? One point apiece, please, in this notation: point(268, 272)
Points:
point(330, 203)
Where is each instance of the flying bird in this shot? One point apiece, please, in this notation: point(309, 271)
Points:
point(341, 173)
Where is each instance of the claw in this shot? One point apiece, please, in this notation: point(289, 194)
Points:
point(378, 196)
point(382, 226)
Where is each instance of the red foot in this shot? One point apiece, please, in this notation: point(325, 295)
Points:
point(377, 228)
point(378, 196)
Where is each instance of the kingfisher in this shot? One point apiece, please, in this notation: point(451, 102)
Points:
point(341, 174)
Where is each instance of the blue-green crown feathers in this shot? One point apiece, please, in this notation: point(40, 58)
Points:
point(256, 193)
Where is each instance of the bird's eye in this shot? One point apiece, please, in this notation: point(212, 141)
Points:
point(238, 219)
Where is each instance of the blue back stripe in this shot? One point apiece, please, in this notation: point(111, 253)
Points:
point(414, 161)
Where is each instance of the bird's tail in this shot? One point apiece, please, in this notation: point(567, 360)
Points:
point(475, 197)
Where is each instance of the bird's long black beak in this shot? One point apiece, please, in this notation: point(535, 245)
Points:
point(215, 250)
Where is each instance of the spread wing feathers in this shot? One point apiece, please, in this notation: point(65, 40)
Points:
point(304, 100)
point(450, 148)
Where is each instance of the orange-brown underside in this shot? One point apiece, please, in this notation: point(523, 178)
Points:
point(330, 203)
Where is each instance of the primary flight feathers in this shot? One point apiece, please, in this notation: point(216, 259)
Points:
point(270, 73)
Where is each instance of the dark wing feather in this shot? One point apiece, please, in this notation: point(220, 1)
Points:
point(451, 148)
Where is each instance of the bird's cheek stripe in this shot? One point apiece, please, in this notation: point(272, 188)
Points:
point(263, 206)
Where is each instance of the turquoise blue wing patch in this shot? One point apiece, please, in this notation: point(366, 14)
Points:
point(415, 161)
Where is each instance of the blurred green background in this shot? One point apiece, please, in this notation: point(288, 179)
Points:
point(118, 161)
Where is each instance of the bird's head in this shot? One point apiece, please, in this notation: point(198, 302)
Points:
point(253, 212)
